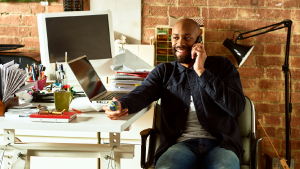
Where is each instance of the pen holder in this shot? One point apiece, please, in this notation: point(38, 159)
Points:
point(40, 83)
point(14, 101)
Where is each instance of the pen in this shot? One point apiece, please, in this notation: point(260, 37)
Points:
point(78, 111)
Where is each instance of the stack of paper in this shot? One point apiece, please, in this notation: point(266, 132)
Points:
point(13, 113)
point(12, 78)
point(24, 110)
point(128, 80)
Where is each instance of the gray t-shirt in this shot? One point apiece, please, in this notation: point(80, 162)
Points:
point(193, 129)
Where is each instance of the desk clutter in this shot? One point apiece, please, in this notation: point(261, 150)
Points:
point(39, 113)
point(124, 80)
point(36, 73)
point(11, 80)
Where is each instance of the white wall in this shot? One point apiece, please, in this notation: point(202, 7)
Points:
point(126, 15)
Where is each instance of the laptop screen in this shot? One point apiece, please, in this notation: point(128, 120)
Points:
point(87, 77)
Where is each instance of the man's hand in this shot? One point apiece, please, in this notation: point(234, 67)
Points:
point(115, 115)
point(199, 52)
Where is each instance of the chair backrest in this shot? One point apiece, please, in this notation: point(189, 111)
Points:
point(247, 129)
point(156, 124)
point(246, 121)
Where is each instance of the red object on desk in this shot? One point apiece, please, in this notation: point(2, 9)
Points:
point(66, 115)
point(78, 111)
point(142, 75)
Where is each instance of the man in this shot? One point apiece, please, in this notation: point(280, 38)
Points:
point(201, 98)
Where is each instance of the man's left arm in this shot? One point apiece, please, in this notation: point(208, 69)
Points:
point(226, 90)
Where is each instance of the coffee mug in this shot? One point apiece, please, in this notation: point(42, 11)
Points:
point(62, 100)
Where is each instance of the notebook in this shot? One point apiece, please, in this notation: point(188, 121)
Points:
point(56, 118)
point(91, 83)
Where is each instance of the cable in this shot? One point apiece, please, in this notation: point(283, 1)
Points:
point(3, 154)
point(110, 158)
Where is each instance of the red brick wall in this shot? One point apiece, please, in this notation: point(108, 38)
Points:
point(261, 74)
point(18, 22)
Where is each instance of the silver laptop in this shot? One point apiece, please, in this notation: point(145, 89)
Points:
point(90, 81)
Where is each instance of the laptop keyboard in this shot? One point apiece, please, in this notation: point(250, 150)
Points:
point(111, 95)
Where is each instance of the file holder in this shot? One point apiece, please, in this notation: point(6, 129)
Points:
point(14, 101)
point(73, 5)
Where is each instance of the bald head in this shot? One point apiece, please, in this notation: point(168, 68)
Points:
point(188, 26)
point(184, 35)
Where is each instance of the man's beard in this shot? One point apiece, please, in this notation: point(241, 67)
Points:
point(183, 59)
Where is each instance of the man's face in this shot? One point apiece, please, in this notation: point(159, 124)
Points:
point(182, 41)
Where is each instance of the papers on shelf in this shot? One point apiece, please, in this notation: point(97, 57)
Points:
point(128, 81)
point(11, 79)
point(126, 61)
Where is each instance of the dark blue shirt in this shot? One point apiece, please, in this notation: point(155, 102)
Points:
point(217, 95)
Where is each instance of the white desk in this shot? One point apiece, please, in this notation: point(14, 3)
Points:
point(88, 121)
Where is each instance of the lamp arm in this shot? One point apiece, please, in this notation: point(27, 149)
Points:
point(287, 51)
point(286, 23)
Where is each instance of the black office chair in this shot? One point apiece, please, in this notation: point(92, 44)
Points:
point(247, 120)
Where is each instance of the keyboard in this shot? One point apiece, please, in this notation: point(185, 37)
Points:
point(111, 95)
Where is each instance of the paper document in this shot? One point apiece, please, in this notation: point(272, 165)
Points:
point(126, 61)
point(14, 113)
point(11, 79)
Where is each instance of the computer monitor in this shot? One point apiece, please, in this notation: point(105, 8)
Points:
point(81, 33)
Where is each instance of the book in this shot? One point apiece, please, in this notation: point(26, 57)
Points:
point(129, 81)
point(56, 118)
point(142, 75)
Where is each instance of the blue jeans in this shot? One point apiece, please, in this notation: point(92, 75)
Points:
point(198, 154)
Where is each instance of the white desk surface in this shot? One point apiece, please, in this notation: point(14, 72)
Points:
point(89, 120)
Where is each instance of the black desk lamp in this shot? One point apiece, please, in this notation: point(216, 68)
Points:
point(241, 53)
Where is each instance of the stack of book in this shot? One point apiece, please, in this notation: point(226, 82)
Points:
point(55, 118)
point(128, 81)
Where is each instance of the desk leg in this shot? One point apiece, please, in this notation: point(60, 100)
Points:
point(27, 163)
point(98, 142)
point(13, 158)
point(115, 141)
point(118, 163)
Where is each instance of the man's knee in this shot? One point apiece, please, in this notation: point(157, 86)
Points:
point(221, 158)
point(175, 157)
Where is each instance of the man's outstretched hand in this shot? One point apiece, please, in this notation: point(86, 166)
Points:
point(115, 115)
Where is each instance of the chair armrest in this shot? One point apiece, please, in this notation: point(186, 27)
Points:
point(144, 135)
point(254, 153)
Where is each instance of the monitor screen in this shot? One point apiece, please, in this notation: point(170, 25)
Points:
point(78, 36)
point(78, 33)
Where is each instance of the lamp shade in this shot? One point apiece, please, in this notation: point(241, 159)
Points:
point(240, 52)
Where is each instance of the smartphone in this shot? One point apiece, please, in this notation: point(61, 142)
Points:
point(199, 40)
